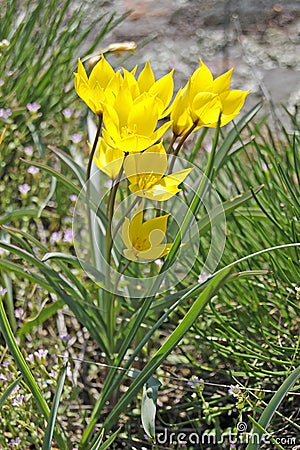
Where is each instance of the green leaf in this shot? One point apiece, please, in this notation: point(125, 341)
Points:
point(54, 410)
point(272, 407)
point(232, 136)
point(9, 390)
point(97, 445)
point(148, 410)
point(25, 371)
point(24, 212)
point(44, 314)
point(227, 207)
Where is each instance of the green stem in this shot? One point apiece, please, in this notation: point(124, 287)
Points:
point(90, 162)
point(25, 371)
point(180, 144)
point(110, 298)
point(172, 142)
point(88, 187)
point(110, 213)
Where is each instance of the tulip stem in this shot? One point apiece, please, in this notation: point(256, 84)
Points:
point(109, 245)
point(88, 187)
point(180, 144)
point(90, 162)
point(172, 142)
point(110, 212)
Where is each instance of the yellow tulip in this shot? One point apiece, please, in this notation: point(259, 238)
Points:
point(130, 124)
point(145, 171)
point(107, 159)
point(162, 89)
point(144, 239)
point(92, 89)
point(203, 99)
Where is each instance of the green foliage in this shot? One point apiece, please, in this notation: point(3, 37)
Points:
point(239, 326)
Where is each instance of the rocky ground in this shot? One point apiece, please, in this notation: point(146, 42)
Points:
point(260, 39)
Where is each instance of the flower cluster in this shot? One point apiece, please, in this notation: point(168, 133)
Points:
point(130, 106)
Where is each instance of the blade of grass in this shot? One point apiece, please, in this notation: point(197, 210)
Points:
point(47, 442)
point(272, 407)
point(25, 371)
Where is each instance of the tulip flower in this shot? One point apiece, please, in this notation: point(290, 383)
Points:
point(130, 124)
point(145, 171)
point(107, 159)
point(162, 89)
point(201, 102)
point(92, 89)
point(144, 239)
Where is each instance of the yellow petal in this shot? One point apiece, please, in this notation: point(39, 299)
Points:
point(108, 160)
point(180, 116)
point(158, 223)
point(135, 226)
point(125, 233)
point(206, 107)
point(163, 90)
point(130, 254)
point(101, 74)
point(200, 81)
point(155, 252)
point(131, 84)
point(177, 177)
point(151, 161)
point(143, 116)
point(222, 83)
point(146, 78)
point(233, 101)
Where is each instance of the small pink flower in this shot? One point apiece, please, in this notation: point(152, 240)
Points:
point(24, 189)
point(15, 442)
point(41, 353)
point(2, 291)
point(30, 358)
point(28, 150)
point(56, 237)
point(235, 390)
point(3, 377)
point(5, 113)
point(76, 138)
point(33, 107)
point(6, 363)
point(19, 313)
point(73, 198)
point(67, 113)
point(33, 170)
point(69, 235)
point(18, 400)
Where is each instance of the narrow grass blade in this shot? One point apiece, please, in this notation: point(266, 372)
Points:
point(54, 410)
point(9, 390)
point(272, 407)
point(43, 315)
point(98, 446)
point(25, 371)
